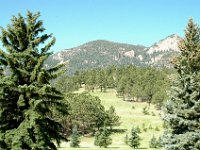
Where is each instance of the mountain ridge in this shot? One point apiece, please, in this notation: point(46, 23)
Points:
point(104, 53)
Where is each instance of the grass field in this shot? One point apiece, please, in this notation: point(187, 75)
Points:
point(129, 118)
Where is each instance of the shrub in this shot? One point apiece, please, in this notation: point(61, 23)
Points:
point(157, 129)
point(153, 114)
point(145, 111)
point(150, 127)
point(126, 139)
point(138, 129)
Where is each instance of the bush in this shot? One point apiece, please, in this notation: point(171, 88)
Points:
point(144, 127)
point(138, 129)
point(126, 139)
point(150, 127)
point(157, 129)
point(153, 114)
point(145, 111)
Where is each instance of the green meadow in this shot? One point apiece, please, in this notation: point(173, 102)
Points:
point(131, 115)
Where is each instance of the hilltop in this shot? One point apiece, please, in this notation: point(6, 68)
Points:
point(102, 53)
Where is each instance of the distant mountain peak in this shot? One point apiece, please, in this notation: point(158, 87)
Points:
point(170, 43)
point(104, 53)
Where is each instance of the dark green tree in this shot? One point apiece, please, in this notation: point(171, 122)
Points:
point(26, 96)
point(134, 140)
point(65, 83)
point(86, 111)
point(182, 111)
point(102, 80)
point(112, 119)
point(103, 139)
point(75, 138)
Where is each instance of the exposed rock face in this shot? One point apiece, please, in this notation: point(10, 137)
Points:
point(163, 51)
point(130, 54)
point(168, 44)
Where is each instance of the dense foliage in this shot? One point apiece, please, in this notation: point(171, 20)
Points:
point(26, 96)
point(132, 83)
point(183, 108)
point(88, 114)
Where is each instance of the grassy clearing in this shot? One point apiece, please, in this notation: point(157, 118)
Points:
point(129, 117)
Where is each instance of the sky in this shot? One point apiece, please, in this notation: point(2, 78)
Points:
point(75, 22)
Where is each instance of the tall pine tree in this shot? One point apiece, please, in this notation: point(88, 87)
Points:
point(26, 96)
point(182, 111)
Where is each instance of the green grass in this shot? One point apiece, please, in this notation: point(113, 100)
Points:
point(129, 118)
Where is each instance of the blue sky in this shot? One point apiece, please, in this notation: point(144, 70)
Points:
point(74, 22)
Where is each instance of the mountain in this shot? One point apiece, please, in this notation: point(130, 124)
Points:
point(170, 43)
point(99, 53)
point(102, 53)
point(163, 51)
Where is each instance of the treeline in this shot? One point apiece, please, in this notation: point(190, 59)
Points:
point(132, 83)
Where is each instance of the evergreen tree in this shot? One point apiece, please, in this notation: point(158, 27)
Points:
point(75, 138)
point(153, 142)
point(26, 96)
point(183, 109)
point(134, 140)
point(103, 139)
point(111, 118)
point(86, 111)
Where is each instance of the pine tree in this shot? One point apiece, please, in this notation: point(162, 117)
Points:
point(153, 142)
point(26, 96)
point(182, 111)
point(111, 118)
point(75, 138)
point(134, 140)
point(103, 139)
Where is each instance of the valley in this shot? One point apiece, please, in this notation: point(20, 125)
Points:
point(131, 115)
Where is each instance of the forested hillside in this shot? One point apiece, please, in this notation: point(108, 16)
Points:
point(101, 53)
